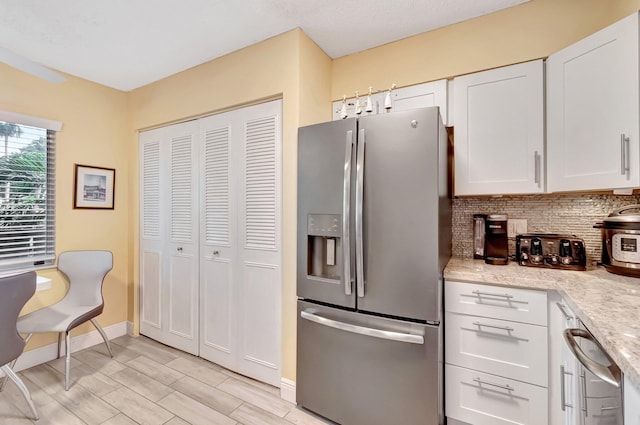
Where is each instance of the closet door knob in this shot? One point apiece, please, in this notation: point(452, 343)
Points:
point(216, 253)
point(180, 249)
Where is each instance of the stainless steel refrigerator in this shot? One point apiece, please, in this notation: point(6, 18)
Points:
point(374, 235)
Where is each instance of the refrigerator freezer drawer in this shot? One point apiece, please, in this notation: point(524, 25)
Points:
point(362, 370)
point(482, 399)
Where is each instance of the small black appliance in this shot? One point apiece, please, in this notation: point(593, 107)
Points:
point(496, 244)
point(551, 250)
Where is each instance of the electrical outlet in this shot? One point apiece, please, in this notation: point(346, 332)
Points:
point(516, 226)
point(521, 226)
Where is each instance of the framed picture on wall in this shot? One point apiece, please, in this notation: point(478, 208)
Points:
point(94, 187)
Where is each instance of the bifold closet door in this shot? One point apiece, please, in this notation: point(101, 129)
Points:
point(240, 240)
point(169, 236)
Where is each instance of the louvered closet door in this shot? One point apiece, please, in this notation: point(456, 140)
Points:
point(169, 259)
point(260, 236)
point(241, 261)
point(218, 248)
point(151, 234)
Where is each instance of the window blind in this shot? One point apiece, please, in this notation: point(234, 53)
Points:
point(27, 196)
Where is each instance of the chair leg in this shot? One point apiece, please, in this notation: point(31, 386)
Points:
point(23, 389)
point(6, 377)
point(104, 335)
point(59, 343)
point(67, 361)
point(12, 364)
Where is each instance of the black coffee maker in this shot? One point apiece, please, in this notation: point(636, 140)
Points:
point(496, 244)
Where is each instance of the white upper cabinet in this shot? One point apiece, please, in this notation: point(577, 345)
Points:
point(499, 130)
point(592, 111)
point(421, 95)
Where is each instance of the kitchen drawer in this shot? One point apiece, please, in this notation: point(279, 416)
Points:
point(482, 399)
point(518, 305)
point(509, 349)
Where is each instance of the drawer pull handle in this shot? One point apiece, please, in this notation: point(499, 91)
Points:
point(566, 315)
point(504, 328)
point(504, 387)
point(492, 294)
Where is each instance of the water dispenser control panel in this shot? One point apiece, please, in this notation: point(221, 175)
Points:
point(323, 225)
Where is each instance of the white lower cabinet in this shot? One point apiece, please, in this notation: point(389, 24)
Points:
point(631, 403)
point(563, 367)
point(512, 304)
point(517, 350)
point(479, 398)
point(496, 355)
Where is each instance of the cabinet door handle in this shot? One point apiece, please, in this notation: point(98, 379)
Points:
point(583, 378)
point(537, 171)
point(492, 294)
point(504, 387)
point(624, 155)
point(563, 396)
point(484, 325)
point(566, 315)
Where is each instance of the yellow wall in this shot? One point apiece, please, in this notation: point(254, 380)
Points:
point(101, 125)
point(94, 133)
point(529, 31)
point(289, 66)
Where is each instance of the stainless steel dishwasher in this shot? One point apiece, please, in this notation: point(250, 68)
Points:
point(600, 379)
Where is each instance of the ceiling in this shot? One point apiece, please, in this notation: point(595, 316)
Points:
point(126, 44)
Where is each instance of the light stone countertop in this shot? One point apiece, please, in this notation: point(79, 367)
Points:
point(608, 304)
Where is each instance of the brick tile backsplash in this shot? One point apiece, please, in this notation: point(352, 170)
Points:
point(552, 213)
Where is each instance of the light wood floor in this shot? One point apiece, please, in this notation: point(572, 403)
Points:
point(146, 383)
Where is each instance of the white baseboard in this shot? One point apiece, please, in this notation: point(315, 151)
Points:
point(455, 422)
point(288, 390)
point(50, 352)
point(130, 328)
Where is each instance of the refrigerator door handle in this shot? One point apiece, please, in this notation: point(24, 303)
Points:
point(375, 333)
point(359, 202)
point(346, 201)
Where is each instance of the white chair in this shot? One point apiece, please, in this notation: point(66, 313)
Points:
point(15, 291)
point(85, 271)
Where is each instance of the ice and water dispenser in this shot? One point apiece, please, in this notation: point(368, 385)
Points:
point(324, 245)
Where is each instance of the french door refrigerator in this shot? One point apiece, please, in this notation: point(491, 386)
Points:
point(374, 235)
